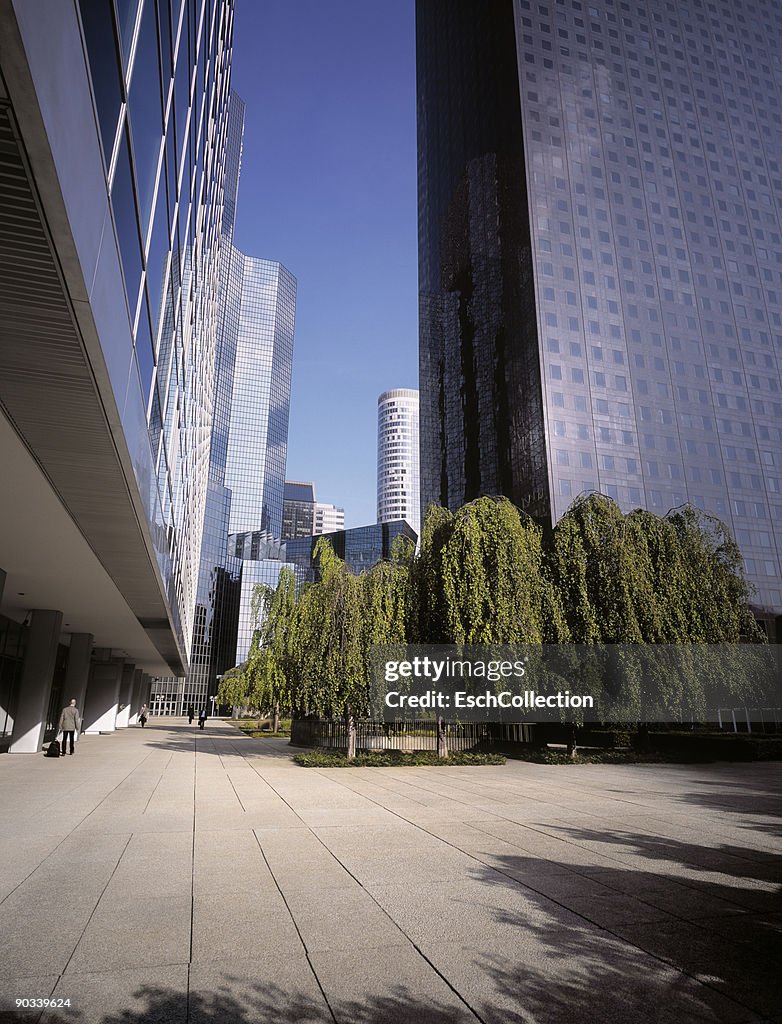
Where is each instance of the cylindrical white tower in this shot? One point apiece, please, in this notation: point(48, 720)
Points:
point(398, 488)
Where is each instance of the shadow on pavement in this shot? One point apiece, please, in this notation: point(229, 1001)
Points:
point(270, 1004)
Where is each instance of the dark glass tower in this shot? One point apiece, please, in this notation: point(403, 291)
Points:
point(600, 236)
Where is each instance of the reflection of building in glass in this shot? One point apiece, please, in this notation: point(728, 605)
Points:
point(599, 252)
point(265, 571)
point(361, 547)
point(328, 518)
point(298, 512)
point(114, 123)
point(398, 491)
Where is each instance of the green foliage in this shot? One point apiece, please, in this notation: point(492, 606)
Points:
point(480, 578)
point(234, 688)
point(487, 574)
point(268, 669)
point(392, 759)
point(328, 640)
point(556, 757)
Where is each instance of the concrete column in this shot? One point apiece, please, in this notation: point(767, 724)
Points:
point(102, 703)
point(146, 690)
point(135, 698)
point(35, 686)
point(125, 695)
point(77, 671)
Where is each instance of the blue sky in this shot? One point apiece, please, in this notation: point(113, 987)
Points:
point(328, 187)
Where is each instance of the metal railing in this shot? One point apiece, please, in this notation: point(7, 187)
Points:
point(404, 735)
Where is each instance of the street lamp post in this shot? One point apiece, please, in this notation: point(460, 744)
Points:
point(213, 699)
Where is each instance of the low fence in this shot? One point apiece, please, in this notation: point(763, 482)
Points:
point(406, 735)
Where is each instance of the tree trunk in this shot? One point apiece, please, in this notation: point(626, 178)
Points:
point(235, 711)
point(276, 722)
point(442, 739)
point(643, 741)
point(350, 722)
point(572, 745)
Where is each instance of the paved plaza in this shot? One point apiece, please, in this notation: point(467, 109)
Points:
point(174, 875)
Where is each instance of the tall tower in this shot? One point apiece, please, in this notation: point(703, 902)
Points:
point(600, 235)
point(398, 489)
point(258, 435)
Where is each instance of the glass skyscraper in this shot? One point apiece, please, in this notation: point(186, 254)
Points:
point(248, 451)
point(218, 584)
point(258, 436)
point(114, 120)
point(398, 470)
point(600, 234)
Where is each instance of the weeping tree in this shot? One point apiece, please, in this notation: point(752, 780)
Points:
point(327, 644)
point(478, 580)
point(268, 667)
point(641, 579)
point(234, 689)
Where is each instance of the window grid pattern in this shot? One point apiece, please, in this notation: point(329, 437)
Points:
point(398, 459)
point(160, 75)
point(258, 438)
point(654, 147)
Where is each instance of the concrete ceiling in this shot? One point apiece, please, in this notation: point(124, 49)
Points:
point(50, 565)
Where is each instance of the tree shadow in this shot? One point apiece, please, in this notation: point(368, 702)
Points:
point(759, 796)
point(260, 1003)
point(623, 936)
point(734, 861)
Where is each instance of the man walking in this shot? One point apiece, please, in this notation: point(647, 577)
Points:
point(143, 715)
point(70, 723)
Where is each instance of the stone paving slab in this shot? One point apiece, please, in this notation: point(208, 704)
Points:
point(171, 875)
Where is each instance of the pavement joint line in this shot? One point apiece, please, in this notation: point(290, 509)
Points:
point(549, 835)
point(412, 942)
point(97, 903)
point(396, 924)
point(577, 807)
point(160, 779)
point(192, 876)
point(75, 827)
point(541, 830)
point(603, 928)
point(298, 930)
point(233, 787)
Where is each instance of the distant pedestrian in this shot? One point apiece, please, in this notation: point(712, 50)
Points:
point(190, 714)
point(143, 715)
point(202, 718)
point(70, 723)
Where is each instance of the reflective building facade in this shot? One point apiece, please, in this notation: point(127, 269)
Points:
point(258, 435)
point(114, 122)
point(398, 470)
point(360, 547)
point(217, 605)
point(600, 233)
point(298, 510)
